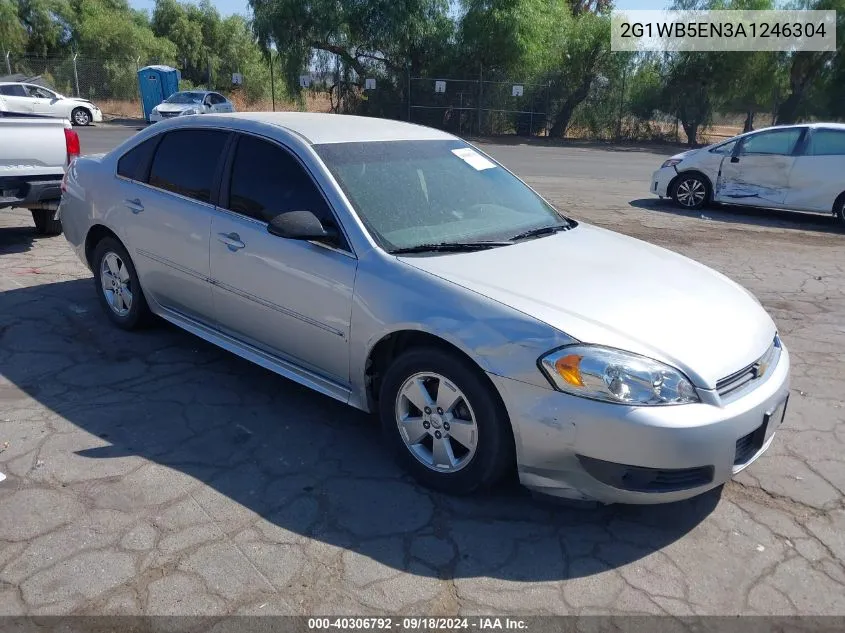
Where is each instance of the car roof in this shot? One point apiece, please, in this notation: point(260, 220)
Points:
point(324, 128)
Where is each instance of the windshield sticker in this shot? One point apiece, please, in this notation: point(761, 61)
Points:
point(473, 158)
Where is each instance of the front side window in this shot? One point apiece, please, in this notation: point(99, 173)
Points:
point(826, 143)
point(412, 193)
point(38, 92)
point(268, 181)
point(185, 162)
point(780, 142)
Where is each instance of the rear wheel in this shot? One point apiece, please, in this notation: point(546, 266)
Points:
point(45, 224)
point(691, 191)
point(118, 287)
point(839, 210)
point(444, 421)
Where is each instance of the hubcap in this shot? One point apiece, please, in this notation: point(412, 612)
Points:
point(691, 192)
point(117, 287)
point(436, 422)
point(81, 118)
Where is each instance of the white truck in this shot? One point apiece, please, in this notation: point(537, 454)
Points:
point(34, 154)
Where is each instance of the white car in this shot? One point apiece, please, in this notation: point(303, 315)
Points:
point(23, 98)
point(191, 102)
point(796, 167)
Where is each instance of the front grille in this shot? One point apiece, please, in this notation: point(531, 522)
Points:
point(642, 479)
point(752, 372)
point(167, 115)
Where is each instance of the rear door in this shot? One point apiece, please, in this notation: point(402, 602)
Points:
point(167, 192)
point(818, 177)
point(758, 171)
point(17, 99)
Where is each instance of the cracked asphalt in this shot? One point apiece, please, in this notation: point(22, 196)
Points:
point(152, 473)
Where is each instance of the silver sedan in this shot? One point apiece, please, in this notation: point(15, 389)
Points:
point(401, 270)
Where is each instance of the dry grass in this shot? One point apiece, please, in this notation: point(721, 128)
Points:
point(114, 109)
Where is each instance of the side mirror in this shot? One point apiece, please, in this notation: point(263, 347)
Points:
point(301, 225)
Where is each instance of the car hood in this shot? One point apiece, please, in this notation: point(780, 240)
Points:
point(605, 288)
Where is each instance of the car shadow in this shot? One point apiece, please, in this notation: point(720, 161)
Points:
point(774, 218)
point(17, 239)
point(298, 460)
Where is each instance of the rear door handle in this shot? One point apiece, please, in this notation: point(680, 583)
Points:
point(134, 206)
point(231, 240)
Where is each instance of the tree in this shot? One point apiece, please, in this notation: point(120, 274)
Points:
point(13, 35)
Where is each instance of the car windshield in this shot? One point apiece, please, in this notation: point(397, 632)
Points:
point(185, 97)
point(413, 193)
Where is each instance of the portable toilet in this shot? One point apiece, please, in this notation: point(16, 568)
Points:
point(157, 83)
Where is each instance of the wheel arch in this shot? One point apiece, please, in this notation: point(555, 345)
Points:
point(94, 236)
point(838, 206)
point(390, 346)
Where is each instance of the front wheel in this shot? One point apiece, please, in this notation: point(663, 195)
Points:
point(445, 422)
point(80, 116)
point(691, 191)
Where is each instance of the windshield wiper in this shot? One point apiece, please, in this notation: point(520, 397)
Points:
point(449, 247)
point(543, 230)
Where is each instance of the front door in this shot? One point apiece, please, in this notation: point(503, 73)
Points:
point(168, 219)
point(758, 171)
point(289, 297)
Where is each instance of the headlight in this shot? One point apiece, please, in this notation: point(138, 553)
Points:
point(611, 375)
point(191, 111)
point(671, 162)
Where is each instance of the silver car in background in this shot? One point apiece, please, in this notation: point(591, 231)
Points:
point(191, 102)
point(401, 270)
point(793, 167)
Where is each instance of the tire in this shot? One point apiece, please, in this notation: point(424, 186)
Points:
point(80, 117)
point(480, 453)
point(111, 263)
point(44, 222)
point(839, 210)
point(691, 191)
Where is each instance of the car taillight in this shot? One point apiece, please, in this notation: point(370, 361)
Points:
point(72, 145)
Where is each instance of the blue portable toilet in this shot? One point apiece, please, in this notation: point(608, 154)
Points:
point(157, 83)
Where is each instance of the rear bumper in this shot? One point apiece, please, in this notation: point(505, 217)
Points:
point(29, 193)
point(582, 449)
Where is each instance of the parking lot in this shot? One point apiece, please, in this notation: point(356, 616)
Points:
point(153, 473)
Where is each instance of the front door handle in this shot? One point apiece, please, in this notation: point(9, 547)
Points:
point(231, 240)
point(134, 206)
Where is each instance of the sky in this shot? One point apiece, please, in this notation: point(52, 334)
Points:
point(228, 7)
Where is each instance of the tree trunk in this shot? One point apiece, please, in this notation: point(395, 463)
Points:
point(788, 110)
point(691, 130)
point(564, 115)
point(749, 122)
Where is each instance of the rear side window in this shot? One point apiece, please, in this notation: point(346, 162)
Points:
point(268, 181)
point(12, 91)
point(135, 163)
point(185, 162)
point(826, 143)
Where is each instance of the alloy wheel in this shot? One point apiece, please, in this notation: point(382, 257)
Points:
point(690, 192)
point(116, 284)
point(436, 422)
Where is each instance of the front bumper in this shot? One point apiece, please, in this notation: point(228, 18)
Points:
point(96, 115)
point(661, 179)
point(575, 448)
